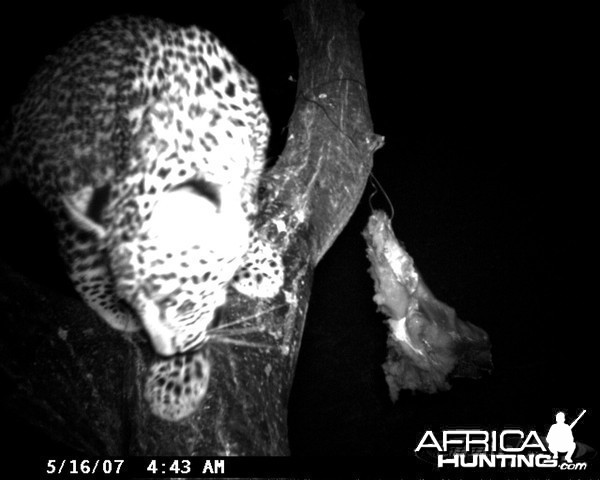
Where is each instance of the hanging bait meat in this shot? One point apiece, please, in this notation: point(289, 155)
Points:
point(427, 342)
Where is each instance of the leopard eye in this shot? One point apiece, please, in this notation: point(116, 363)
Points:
point(201, 187)
point(166, 302)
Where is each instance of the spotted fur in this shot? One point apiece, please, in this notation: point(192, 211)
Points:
point(176, 387)
point(145, 141)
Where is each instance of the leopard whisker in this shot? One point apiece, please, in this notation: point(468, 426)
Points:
point(240, 320)
point(238, 331)
point(242, 343)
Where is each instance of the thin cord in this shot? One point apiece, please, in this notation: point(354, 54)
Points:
point(377, 186)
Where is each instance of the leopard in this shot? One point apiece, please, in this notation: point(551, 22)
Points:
point(145, 142)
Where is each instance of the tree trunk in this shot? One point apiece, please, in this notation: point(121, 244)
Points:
point(82, 382)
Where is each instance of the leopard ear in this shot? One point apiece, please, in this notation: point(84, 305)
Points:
point(85, 208)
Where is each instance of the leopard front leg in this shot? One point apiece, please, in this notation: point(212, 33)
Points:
point(176, 386)
point(89, 271)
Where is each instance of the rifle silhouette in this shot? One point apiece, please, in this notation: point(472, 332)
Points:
point(577, 419)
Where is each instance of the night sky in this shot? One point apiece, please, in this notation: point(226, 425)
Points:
point(483, 161)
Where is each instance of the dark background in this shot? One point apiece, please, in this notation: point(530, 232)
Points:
point(485, 113)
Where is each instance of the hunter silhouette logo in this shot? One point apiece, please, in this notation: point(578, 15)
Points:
point(560, 437)
point(508, 448)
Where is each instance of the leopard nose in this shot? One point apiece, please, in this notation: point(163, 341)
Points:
point(157, 328)
point(164, 345)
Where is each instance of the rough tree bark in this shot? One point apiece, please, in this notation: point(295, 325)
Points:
point(82, 382)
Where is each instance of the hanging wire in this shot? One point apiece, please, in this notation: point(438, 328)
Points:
point(379, 188)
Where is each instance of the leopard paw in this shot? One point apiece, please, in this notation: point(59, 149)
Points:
point(176, 386)
point(261, 274)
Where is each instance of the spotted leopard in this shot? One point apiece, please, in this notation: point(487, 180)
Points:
point(146, 141)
